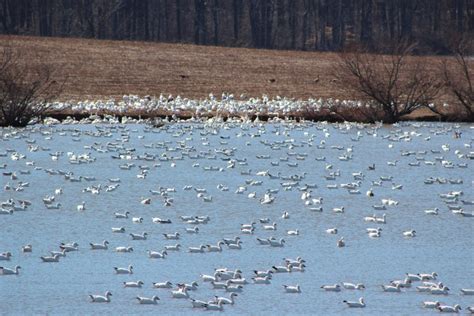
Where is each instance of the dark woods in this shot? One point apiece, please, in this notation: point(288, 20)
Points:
point(279, 24)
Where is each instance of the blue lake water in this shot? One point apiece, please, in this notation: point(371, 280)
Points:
point(443, 243)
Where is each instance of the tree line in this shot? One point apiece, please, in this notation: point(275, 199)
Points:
point(272, 24)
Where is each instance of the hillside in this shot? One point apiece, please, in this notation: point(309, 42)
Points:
point(101, 69)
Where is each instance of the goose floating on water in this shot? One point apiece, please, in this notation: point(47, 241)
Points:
point(358, 304)
point(100, 298)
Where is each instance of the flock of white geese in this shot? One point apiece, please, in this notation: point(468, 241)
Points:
point(18, 164)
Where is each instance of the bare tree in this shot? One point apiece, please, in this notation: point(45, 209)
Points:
point(458, 79)
point(397, 84)
point(25, 89)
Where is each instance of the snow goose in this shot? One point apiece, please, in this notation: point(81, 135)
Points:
point(433, 211)
point(81, 207)
point(27, 248)
point(214, 307)
point(217, 248)
point(121, 215)
point(429, 304)
point(181, 292)
point(100, 298)
point(353, 286)
point(236, 246)
point(7, 271)
point(128, 270)
point(137, 220)
point(142, 236)
point(338, 209)
point(69, 246)
point(156, 254)
point(277, 243)
point(210, 278)
point(292, 288)
point(341, 242)
point(174, 236)
point(270, 227)
point(54, 258)
point(262, 280)
point(133, 284)
point(225, 300)
point(198, 303)
point(173, 247)
point(391, 288)
point(381, 220)
point(449, 309)
point(118, 229)
point(193, 230)
point(102, 246)
point(358, 304)
point(331, 231)
point(281, 269)
point(148, 300)
point(331, 288)
point(409, 233)
point(199, 249)
point(467, 291)
point(163, 285)
point(428, 276)
point(124, 249)
point(263, 241)
point(234, 288)
point(439, 290)
point(263, 273)
point(5, 255)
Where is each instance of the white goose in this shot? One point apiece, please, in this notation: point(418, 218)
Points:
point(292, 288)
point(270, 227)
point(102, 246)
point(429, 304)
point(156, 254)
point(277, 243)
point(163, 285)
point(124, 249)
point(214, 307)
point(173, 247)
point(54, 258)
point(137, 284)
point(128, 270)
point(181, 292)
point(391, 288)
point(199, 249)
point(148, 300)
point(225, 300)
point(100, 298)
point(142, 236)
point(5, 255)
point(331, 288)
point(262, 280)
point(121, 215)
point(217, 248)
point(358, 304)
point(6, 271)
point(449, 309)
point(353, 286)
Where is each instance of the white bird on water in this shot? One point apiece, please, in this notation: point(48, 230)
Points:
point(100, 298)
point(357, 304)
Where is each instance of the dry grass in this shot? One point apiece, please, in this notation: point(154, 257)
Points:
point(101, 69)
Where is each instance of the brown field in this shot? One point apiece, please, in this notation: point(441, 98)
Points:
point(103, 69)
